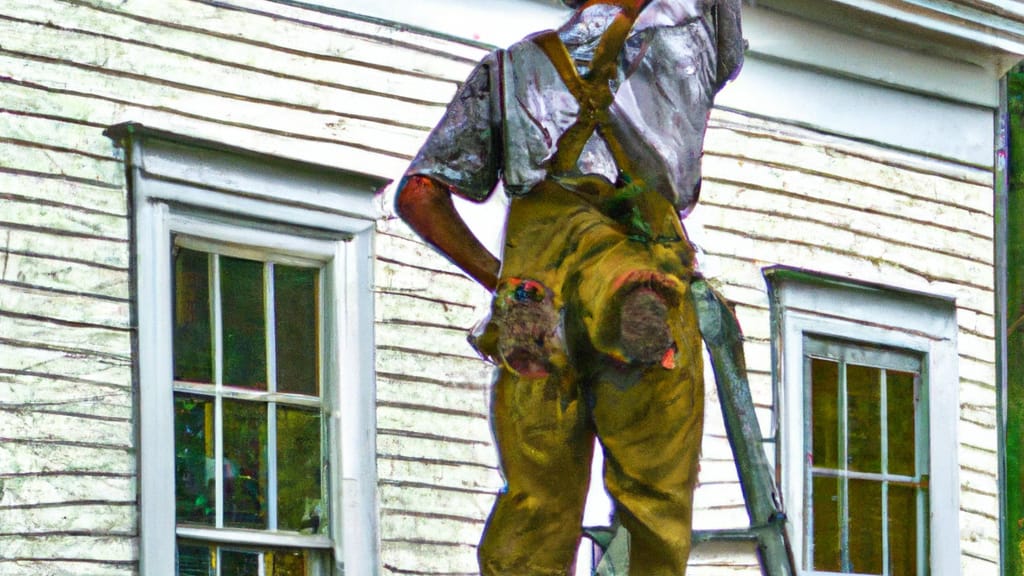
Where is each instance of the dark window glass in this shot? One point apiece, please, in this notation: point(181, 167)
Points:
point(286, 563)
point(193, 340)
point(239, 563)
point(195, 561)
point(826, 518)
point(865, 526)
point(300, 505)
point(245, 464)
point(194, 491)
point(296, 303)
point(244, 321)
point(825, 412)
point(902, 408)
point(902, 530)
point(864, 406)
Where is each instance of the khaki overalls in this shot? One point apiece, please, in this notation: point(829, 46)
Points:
point(576, 248)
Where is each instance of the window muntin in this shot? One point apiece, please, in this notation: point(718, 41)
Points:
point(866, 473)
point(250, 453)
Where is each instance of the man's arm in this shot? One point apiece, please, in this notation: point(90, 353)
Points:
point(426, 206)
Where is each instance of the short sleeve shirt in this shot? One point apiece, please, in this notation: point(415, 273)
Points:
point(506, 118)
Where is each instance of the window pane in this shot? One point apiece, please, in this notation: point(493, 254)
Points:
point(242, 314)
point(238, 563)
point(193, 342)
point(865, 526)
point(825, 412)
point(298, 462)
point(900, 416)
point(245, 463)
point(195, 498)
point(194, 560)
point(296, 305)
point(200, 560)
point(903, 530)
point(286, 563)
point(825, 516)
point(864, 426)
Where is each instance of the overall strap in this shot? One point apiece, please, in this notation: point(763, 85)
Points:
point(592, 93)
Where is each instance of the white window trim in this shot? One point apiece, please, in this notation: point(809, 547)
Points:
point(805, 303)
point(202, 189)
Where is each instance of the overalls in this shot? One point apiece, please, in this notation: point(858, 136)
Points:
point(576, 248)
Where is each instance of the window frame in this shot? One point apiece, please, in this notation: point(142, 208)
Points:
point(330, 255)
point(806, 304)
point(186, 186)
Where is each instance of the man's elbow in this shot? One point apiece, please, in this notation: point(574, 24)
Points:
point(414, 194)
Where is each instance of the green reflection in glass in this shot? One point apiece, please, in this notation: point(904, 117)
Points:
point(244, 323)
point(864, 401)
point(902, 530)
point(194, 560)
point(194, 492)
point(300, 505)
point(193, 340)
point(825, 412)
point(245, 463)
point(901, 414)
point(865, 526)
point(296, 302)
point(285, 563)
point(825, 515)
point(239, 563)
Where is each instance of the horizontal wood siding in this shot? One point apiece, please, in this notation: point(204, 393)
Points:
point(436, 460)
point(775, 194)
point(313, 85)
point(360, 95)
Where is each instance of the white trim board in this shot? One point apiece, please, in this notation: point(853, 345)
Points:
point(994, 37)
point(773, 35)
point(863, 111)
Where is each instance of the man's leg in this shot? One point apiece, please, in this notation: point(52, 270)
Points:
point(646, 390)
point(545, 445)
point(650, 425)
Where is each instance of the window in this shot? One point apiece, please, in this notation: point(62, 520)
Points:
point(866, 479)
point(866, 419)
point(248, 410)
point(256, 406)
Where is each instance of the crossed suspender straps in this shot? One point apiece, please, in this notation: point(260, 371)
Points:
point(645, 215)
point(592, 93)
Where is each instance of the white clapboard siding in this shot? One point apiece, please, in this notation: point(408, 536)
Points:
point(716, 559)
point(775, 194)
point(319, 86)
point(242, 94)
point(335, 89)
point(435, 453)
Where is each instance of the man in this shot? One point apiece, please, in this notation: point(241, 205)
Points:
point(595, 131)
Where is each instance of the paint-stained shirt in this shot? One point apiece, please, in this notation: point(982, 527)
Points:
point(506, 119)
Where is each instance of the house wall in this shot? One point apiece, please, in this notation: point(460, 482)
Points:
point(777, 194)
point(436, 459)
point(317, 86)
point(361, 95)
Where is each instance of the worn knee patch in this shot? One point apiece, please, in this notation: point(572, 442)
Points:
point(644, 333)
point(529, 327)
